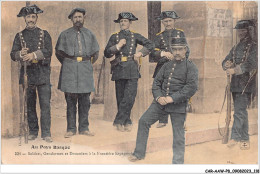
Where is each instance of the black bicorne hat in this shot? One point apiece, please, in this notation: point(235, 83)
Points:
point(168, 14)
point(244, 24)
point(81, 10)
point(33, 9)
point(126, 15)
point(179, 41)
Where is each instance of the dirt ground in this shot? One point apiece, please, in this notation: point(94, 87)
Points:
point(103, 148)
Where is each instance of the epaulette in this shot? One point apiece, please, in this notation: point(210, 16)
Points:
point(179, 29)
point(159, 33)
point(115, 32)
point(132, 31)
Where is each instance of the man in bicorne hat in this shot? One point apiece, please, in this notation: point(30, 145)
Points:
point(174, 84)
point(162, 51)
point(241, 63)
point(77, 49)
point(34, 46)
point(125, 69)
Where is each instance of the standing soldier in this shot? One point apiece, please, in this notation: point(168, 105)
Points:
point(125, 69)
point(76, 49)
point(34, 46)
point(162, 52)
point(241, 63)
point(174, 84)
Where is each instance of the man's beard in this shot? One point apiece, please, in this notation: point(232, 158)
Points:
point(78, 24)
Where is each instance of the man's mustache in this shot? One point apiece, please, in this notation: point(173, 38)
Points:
point(178, 56)
point(78, 22)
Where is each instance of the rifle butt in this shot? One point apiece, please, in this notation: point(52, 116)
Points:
point(225, 137)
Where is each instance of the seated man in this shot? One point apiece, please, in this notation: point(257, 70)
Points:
point(174, 84)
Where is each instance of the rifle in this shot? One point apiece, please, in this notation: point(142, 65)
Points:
point(25, 122)
point(228, 116)
point(23, 104)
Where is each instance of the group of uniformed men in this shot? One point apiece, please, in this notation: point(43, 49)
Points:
point(175, 76)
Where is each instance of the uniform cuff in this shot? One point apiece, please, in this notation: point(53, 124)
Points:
point(18, 55)
point(114, 49)
point(157, 98)
point(38, 55)
point(238, 70)
point(144, 51)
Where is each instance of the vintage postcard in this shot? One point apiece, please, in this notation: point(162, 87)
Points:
point(130, 82)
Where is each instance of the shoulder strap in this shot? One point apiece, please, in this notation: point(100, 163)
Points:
point(247, 51)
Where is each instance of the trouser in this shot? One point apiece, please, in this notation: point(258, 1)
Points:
point(126, 90)
point(44, 94)
point(152, 115)
point(83, 107)
point(163, 119)
point(240, 124)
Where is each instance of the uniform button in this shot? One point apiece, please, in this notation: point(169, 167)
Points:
point(169, 78)
point(131, 48)
point(168, 83)
point(117, 40)
point(40, 38)
point(39, 47)
point(121, 53)
point(167, 94)
point(163, 41)
point(132, 40)
point(170, 73)
point(166, 48)
point(130, 52)
point(40, 43)
point(172, 68)
point(132, 44)
point(168, 89)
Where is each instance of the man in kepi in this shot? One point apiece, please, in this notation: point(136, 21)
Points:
point(162, 51)
point(76, 49)
point(34, 46)
point(241, 63)
point(174, 84)
point(125, 68)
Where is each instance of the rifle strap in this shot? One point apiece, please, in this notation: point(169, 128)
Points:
point(225, 96)
point(23, 44)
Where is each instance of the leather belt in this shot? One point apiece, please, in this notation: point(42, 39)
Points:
point(80, 59)
point(126, 58)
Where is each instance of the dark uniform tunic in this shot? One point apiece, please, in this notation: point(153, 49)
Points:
point(126, 72)
point(179, 80)
point(244, 57)
point(39, 42)
point(162, 43)
point(75, 49)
